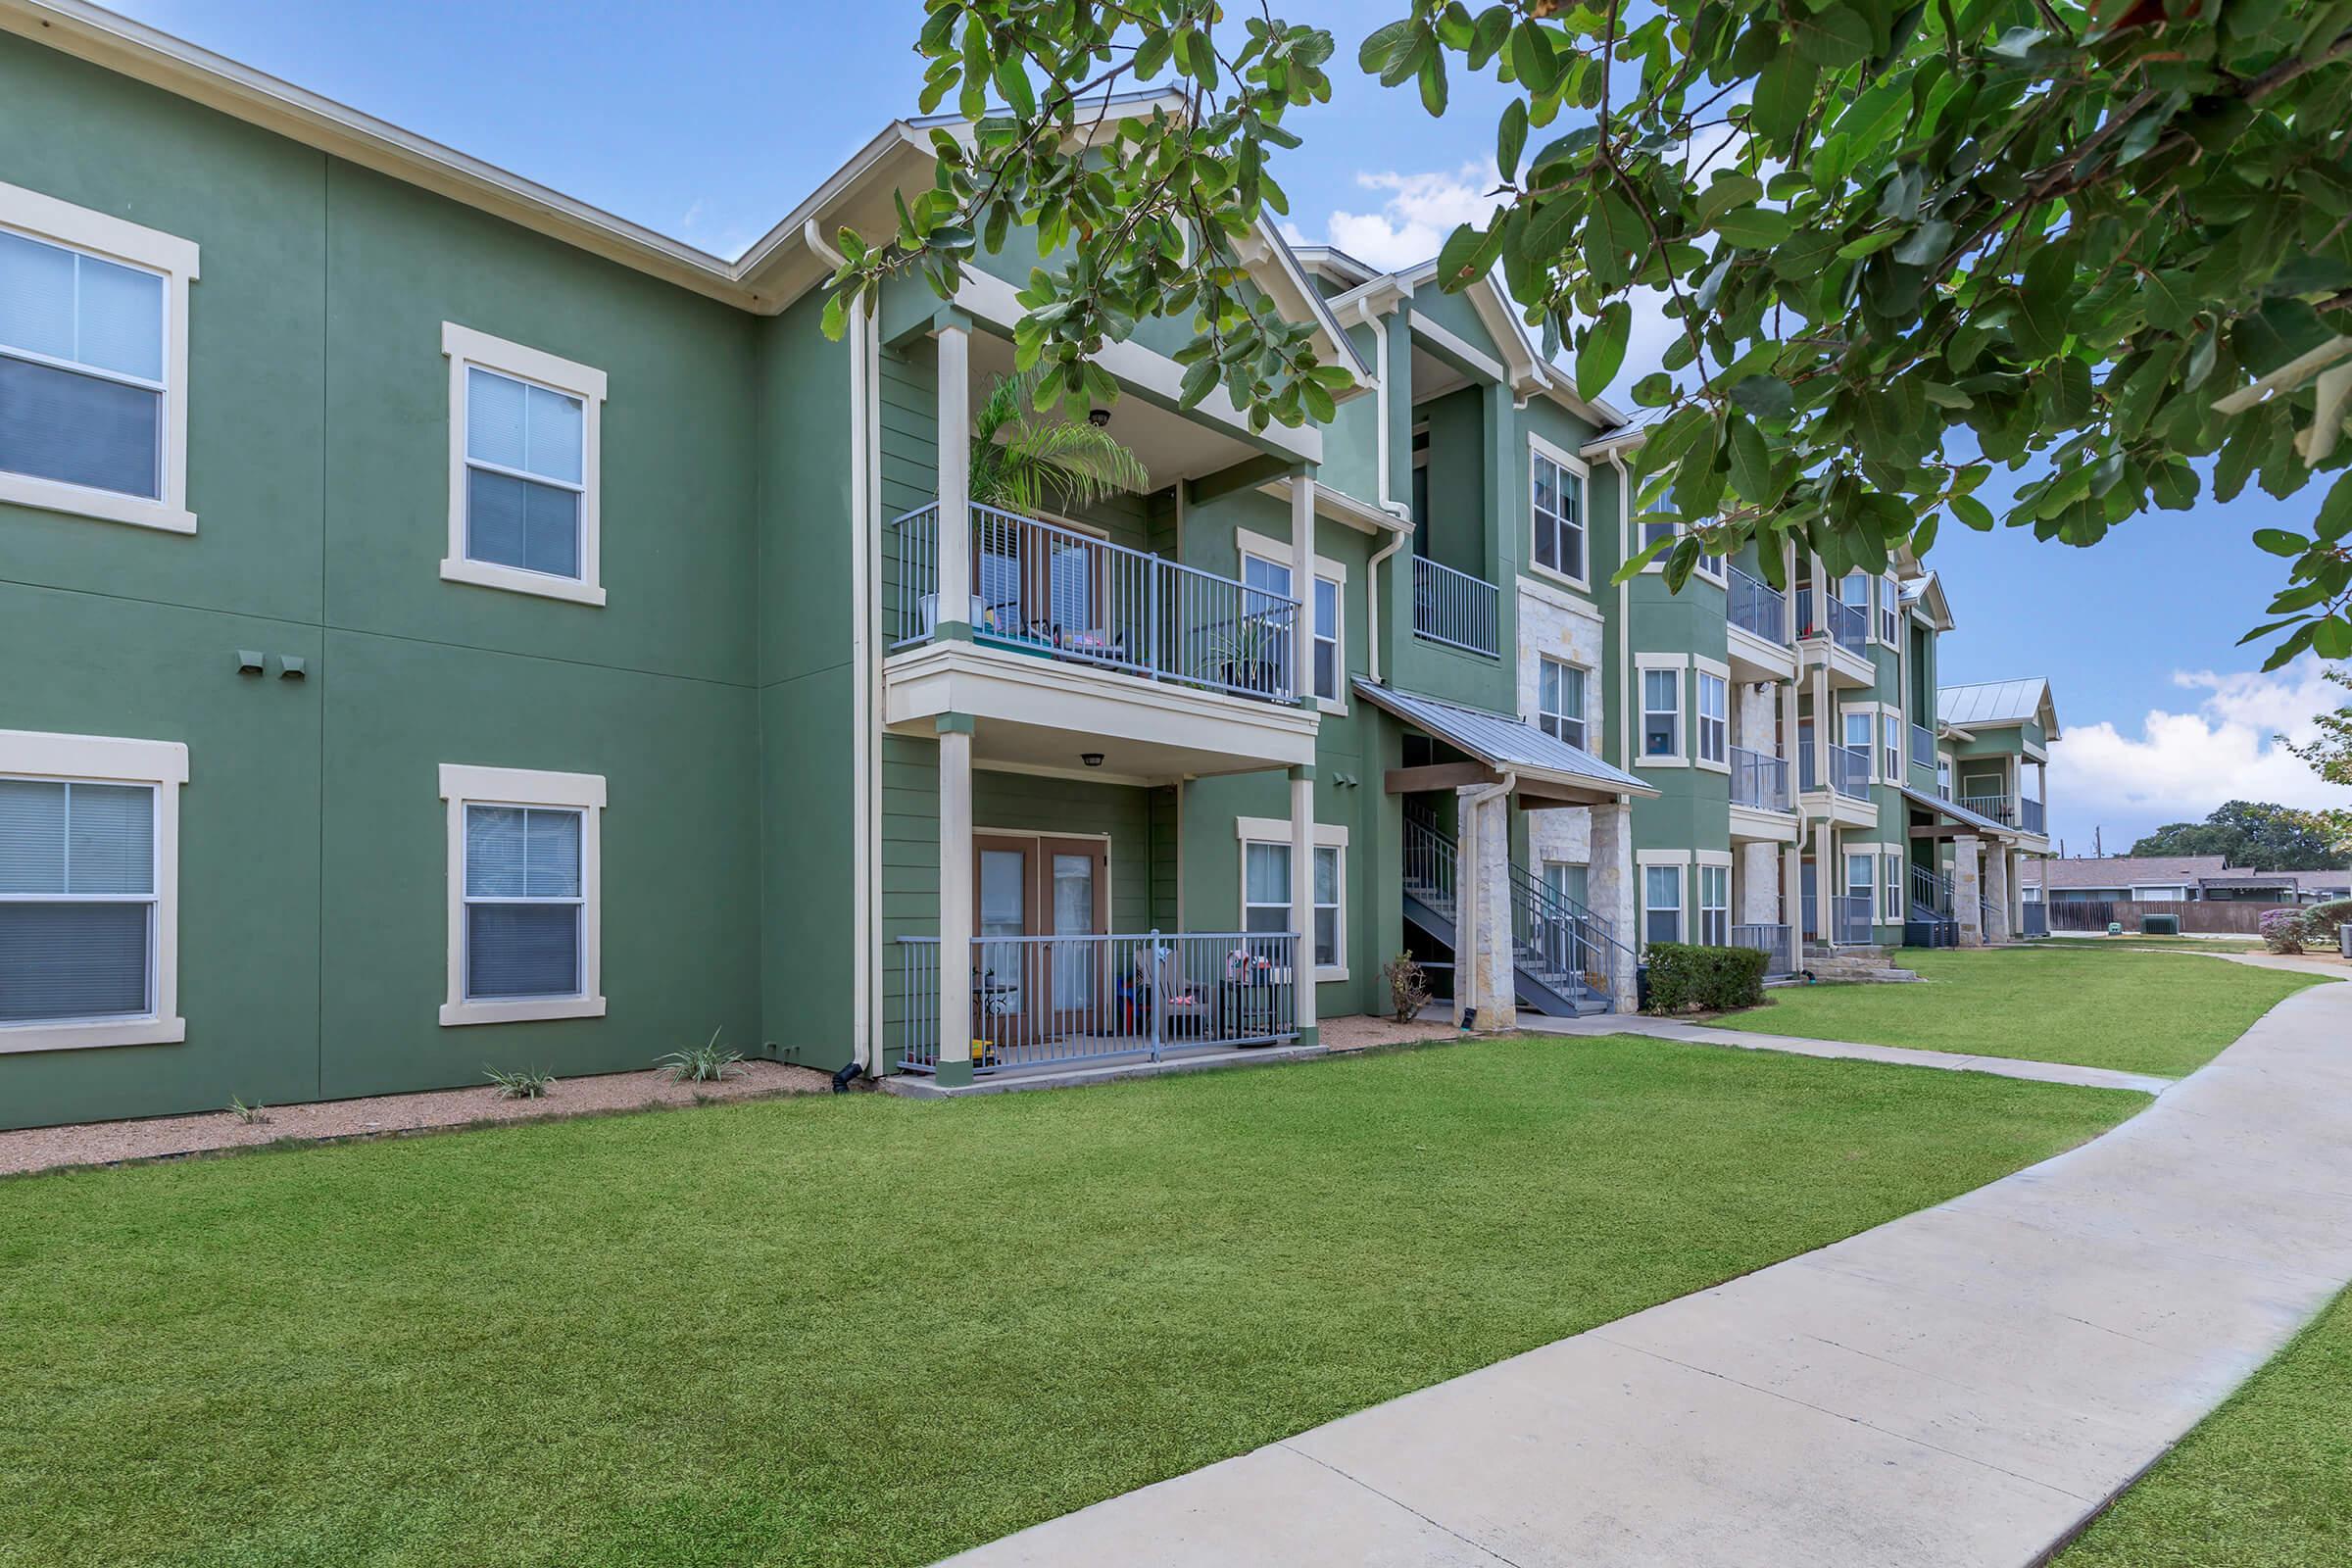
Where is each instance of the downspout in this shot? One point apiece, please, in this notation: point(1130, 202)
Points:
point(1625, 617)
point(865, 907)
point(1386, 501)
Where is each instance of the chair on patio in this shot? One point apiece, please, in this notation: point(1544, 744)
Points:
point(1185, 1005)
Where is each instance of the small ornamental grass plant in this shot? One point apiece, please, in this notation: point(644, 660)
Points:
point(706, 1063)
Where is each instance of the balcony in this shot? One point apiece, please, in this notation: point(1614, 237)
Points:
point(2031, 816)
point(1051, 592)
point(1757, 607)
point(1923, 746)
point(1759, 781)
point(1840, 622)
point(1456, 609)
point(1849, 771)
point(1772, 941)
point(1999, 807)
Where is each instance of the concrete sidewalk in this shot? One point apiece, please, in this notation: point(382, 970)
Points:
point(1699, 1033)
point(1967, 1385)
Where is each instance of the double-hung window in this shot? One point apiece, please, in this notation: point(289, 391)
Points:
point(524, 880)
point(1657, 522)
point(1892, 865)
point(93, 363)
point(1567, 882)
point(88, 891)
point(1264, 584)
point(1267, 889)
point(1556, 497)
point(1857, 737)
point(1662, 904)
point(524, 467)
point(1560, 701)
point(1891, 747)
point(1891, 608)
point(1715, 906)
point(1327, 640)
point(1714, 719)
point(1661, 712)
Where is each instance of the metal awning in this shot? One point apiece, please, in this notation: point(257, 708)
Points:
point(1504, 744)
point(1975, 820)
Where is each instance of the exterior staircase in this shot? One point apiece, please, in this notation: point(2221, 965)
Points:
point(1561, 954)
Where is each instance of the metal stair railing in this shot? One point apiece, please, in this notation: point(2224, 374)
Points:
point(1568, 939)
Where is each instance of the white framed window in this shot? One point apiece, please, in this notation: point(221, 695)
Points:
point(1943, 775)
point(89, 890)
point(1890, 610)
point(525, 895)
point(1714, 719)
point(1891, 742)
point(1265, 578)
point(1891, 866)
point(524, 469)
point(1862, 878)
point(1715, 906)
point(1657, 524)
point(1266, 887)
point(1567, 881)
point(1857, 735)
point(1557, 514)
point(1329, 665)
point(1661, 904)
point(1560, 701)
point(93, 363)
point(1661, 714)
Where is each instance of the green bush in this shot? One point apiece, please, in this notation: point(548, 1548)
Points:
point(1711, 979)
point(2322, 920)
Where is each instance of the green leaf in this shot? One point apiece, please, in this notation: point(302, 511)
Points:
point(2278, 542)
point(1654, 390)
point(1975, 514)
point(1510, 138)
point(1751, 463)
point(2039, 323)
point(1012, 84)
point(1832, 37)
point(1756, 227)
point(2336, 513)
point(1604, 349)
point(1783, 95)
point(1764, 397)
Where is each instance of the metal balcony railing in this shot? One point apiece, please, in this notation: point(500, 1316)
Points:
point(1996, 807)
point(1758, 780)
point(1849, 919)
point(2036, 918)
point(2030, 815)
point(1757, 607)
point(1849, 771)
point(1061, 593)
point(1923, 746)
point(1773, 941)
point(1040, 1001)
point(1837, 619)
point(1456, 609)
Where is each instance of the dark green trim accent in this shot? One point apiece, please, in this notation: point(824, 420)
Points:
point(948, 316)
point(957, 724)
point(951, 1073)
point(1311, 1035)
point(951, 631)
point(1302, 773)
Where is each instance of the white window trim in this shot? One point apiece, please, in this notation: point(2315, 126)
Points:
point(462, 786)
point(1869, 710)
point(462, 346)
point(1891, 587)
point(1568, 463)
point(45, 218)
point(1720, 578)
point(1701, 664)
point(107, 759)
point(1643, 663)
point(1698, 896)
point(1895, 884)
point(1677, 861)
point(1248, 542)
point(1589, 681)
point(1248, 830)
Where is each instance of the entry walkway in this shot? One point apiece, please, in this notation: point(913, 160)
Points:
point(1964, 1385)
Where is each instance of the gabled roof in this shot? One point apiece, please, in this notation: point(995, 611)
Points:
point(1991, 704)
point(1959, 814)
point(2125, 871)
point(1502, 742)
point(1926, 591)
point(779, 268)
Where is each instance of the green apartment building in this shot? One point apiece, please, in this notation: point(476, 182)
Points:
point(462, 629)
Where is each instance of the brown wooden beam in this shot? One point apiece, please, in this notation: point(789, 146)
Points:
point(1438, 777)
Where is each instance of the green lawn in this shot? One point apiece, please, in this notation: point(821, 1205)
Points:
point(2152, 1012)
point(864, 1330)
point(2267, 1479)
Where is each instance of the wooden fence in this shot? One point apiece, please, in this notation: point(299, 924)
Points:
point(2197, 916)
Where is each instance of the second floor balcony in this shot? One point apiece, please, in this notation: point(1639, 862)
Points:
point(1055, 592)
point(1759, 781)
point(1757, 607)
point(1849, 771)
point(1456, 609)
point(1821, 616)
point(1923, 746)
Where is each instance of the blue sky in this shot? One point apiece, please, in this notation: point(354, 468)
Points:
point(709, 123)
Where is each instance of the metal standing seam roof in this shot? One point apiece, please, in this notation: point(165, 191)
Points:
point(1959, 814)
point(1998, 702)
point(1501, 741)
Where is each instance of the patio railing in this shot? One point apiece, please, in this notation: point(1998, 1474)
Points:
point(1996, 807)
point(1773, 941)
point(2030, 814)
point(1849, 919)
point(1056, 592)
point(1923, 746)
point(1456, 609)
point(1757, 607)
point(1837, 619)
point(1849, 771)
point(1758, 780)
point(1046, 1001)
point(1555, 936)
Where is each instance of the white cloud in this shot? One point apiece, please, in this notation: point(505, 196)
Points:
point(726, 240)
point(1417, 213)
point(2181, 765)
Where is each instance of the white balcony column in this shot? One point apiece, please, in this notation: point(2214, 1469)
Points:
point(1968, 889)
point(953, 553)
point(1302, 585)
point(1998, 886)
point(955, 900)
point(1828, 728)
point(1793, 895)
point(1609, 888)
point(1302, 898)
point(1825, 880)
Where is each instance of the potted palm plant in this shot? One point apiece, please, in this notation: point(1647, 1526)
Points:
point(1025, 460)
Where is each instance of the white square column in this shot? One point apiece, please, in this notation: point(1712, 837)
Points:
point(951, 553)
point(1303, 899)
point(955, 900)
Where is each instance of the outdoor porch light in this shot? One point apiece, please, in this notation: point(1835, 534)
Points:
point(1091, 759)
point(1099, 419)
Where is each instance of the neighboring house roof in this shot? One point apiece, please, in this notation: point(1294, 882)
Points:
point(2126, 870)
point(1501, 741)
point(1998, 701)
point(2249, 879)
point(784, 263)
point(2322, 881)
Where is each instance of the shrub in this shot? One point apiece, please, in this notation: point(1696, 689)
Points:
point(250, 1115)
point(1683, 977)
point(1408, 987)
point(2282, 930)
point(705, 1064)
point(525, 1084)
point(2320, 920)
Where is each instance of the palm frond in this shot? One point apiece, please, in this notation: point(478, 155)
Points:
point(1023, 458)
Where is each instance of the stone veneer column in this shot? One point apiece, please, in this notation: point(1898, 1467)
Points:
point(1997, 884)
point(1482, 914)
point(1609, 885)
point(1968, 888)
